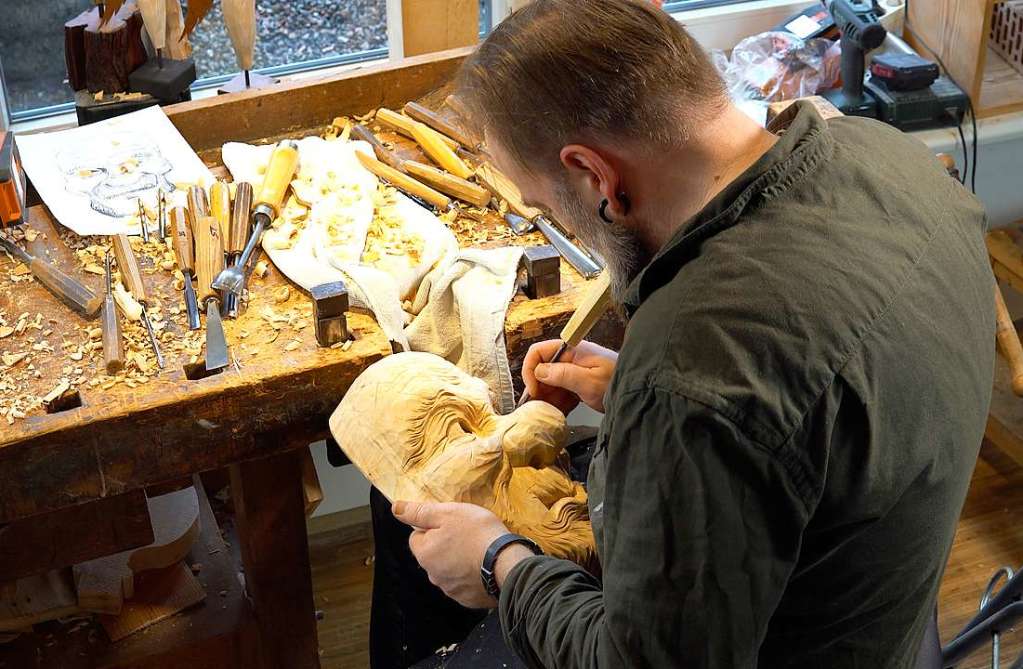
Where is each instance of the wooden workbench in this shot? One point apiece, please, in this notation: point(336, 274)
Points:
point(111, 439)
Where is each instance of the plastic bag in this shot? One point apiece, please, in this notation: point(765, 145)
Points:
point(775, 66)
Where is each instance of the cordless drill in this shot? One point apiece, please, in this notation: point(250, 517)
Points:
point(861, 32)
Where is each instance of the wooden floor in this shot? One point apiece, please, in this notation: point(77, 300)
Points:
point(990, 535)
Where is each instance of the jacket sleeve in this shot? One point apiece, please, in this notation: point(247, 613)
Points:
point(701, 533)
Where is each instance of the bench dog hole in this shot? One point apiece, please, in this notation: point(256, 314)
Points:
point(197, 370)
point(68, 400)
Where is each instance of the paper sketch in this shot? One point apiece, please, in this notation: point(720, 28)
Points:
point(92, 177)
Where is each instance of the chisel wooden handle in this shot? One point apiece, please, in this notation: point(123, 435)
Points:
point(449, 183)
point(503, 188)
point(198, 204)
point(404, 125)
point(113, 346)
point(589, 311)
point(1008, 342)
point(220, 207)
point(131, 276)
point(239, 233)
point(403, 181)
point(439, 152)
point(383, 154)
point(183, 248)
point(209, 256)
point(279, 173)
point(440, 124)
point(73, 291)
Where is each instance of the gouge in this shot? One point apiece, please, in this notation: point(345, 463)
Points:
point(238, 236)
point(440, 124)
point(279, 172)
point(404, 125)
point(209, 261)
point(589, 311)
point(184, 251)
point(110, 323)
point(131, 277)
point(433, 145)
point(77, 296)
point(220, 208)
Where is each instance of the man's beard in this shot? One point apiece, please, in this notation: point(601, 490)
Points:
point(618, 248)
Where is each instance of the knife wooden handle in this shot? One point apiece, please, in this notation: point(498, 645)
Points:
point(209, 256)
point(131, 276)
point(239, 233)
point(440, 124)
point(589, 311)
point(449, 183)
point(183, 248)
point(439, 152)
point(279, 173)
point(404, 125)
point(383, 154)
point(1008, 342)
point(503, 188)
point(403, 181)
point(220, 207)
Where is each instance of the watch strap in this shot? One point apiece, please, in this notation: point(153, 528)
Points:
point(487, 574)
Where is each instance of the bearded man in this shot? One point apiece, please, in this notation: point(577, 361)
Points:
point(791, 423)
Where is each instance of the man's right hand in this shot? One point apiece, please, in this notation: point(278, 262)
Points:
point(582, 374)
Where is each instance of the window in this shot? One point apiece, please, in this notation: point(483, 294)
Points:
point(682, 5)
point(293, 35)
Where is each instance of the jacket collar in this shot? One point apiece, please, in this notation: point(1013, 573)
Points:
point(804, 144)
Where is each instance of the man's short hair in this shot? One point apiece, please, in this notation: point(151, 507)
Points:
point(561, 71)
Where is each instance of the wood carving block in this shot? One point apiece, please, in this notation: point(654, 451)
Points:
point(104, 583)
point(159, 594)
point(420, 429)
point(36, 599)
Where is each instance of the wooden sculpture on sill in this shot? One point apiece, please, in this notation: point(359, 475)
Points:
point(421, 429)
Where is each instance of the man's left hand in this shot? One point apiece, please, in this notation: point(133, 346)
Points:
point(449, 540)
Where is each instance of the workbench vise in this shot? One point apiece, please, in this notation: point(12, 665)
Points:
point(330, 302)
point(543, 271)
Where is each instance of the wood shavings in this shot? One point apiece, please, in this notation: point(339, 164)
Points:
point(6, 331)
point(93, 268)
point(20, 269)
point(167, 265)
point(281, 294)
point(11, 359)
point(292, 345)
point(129, 306)
point(62, 387)
point(261, 269)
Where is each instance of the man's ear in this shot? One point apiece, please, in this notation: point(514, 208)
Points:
point(594, 176)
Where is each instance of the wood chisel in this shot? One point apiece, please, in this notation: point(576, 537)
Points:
point(110, 324)
point(433, 145)
point(589, 311)
point(278, 176)
point(238, 235)
point(440, 124)
point(184, 251)
point(438, 179)
point(209, 262)
point(220, 208)
point(161, 215)
point(131, 277)
point(198, 204)
point(404, 125)
point(75, 294)
point(143, 221)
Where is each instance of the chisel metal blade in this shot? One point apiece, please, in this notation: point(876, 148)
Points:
point(191, 306)
point(216, 344)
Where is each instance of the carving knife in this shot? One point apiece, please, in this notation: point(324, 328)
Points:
point(78, 296)
point(131, 277)
point(576, 257)
point(209, 260)
point(238, 236)
point(279, 172)
point(185, 253)
point(594, 303)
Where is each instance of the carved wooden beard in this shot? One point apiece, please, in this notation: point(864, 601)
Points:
point(423, 430)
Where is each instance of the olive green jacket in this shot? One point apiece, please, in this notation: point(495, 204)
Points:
point(791, 426)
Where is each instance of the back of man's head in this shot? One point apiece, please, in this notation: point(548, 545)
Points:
point(563, 71)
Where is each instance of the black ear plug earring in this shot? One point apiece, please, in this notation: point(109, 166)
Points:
point(602, 210)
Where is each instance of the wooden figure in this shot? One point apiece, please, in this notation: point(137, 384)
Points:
point(422, 430)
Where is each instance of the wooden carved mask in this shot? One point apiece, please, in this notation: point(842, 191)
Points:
point(421, 429)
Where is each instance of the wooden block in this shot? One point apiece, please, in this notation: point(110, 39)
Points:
point(36, 599)
point(158, 595)
point(104, 583)
point(76, 534)
point(437, 25)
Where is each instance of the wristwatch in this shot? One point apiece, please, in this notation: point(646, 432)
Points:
point(490, 559)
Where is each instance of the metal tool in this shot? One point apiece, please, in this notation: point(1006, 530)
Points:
point(131, 277)
point(143, 222)
point(184, 251)
point(161, 215)
point(589, 311)
point(582, 261)
point(543, 271)
point(238, 236)
point(330, 302)
point(110, 323)
point(73, 292)
point(279, 173)
point(209, 261)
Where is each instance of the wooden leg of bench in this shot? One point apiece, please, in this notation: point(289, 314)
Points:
point(270, 506)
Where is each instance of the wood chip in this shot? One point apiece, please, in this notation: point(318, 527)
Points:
point(282, 294)
point(62, 387)
point(6, 331)
point(292, 345)
point(93, 268)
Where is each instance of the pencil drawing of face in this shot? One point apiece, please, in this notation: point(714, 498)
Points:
point(421, 429)
point(114, 180)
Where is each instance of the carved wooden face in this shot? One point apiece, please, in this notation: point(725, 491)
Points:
point(423, 430)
